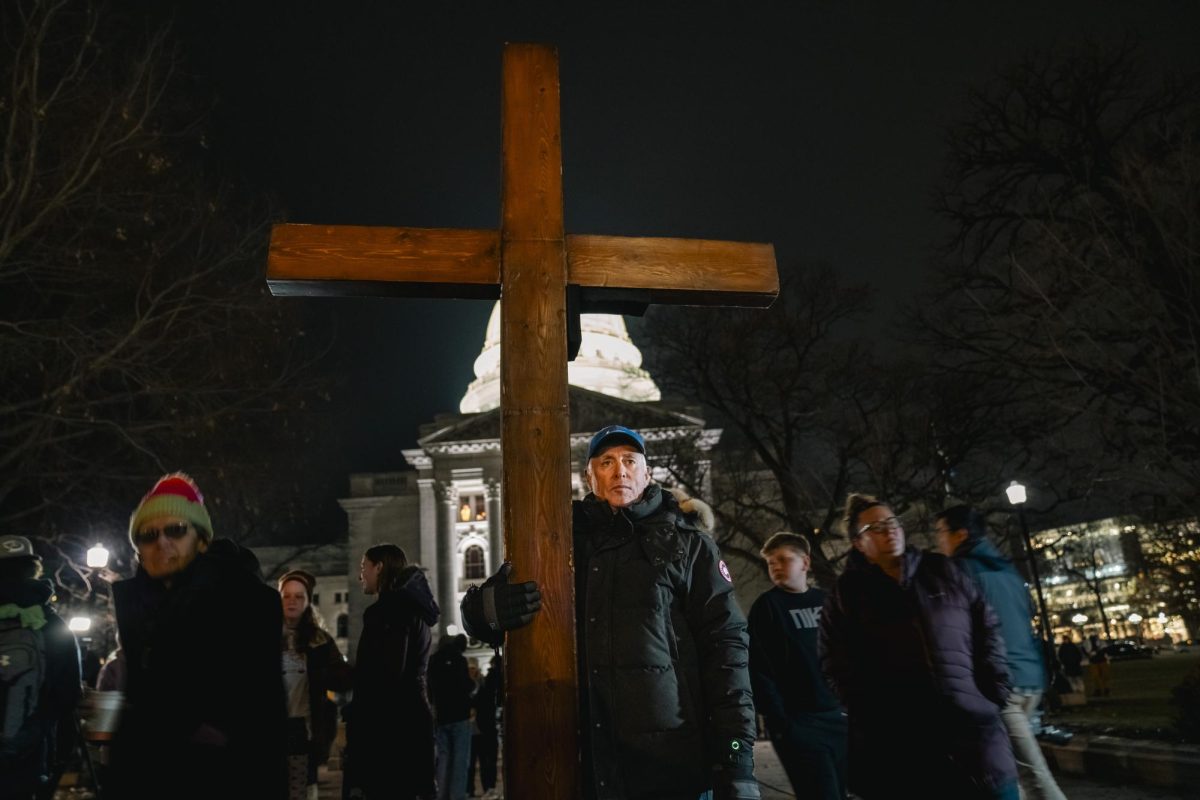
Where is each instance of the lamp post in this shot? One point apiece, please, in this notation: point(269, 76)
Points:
point(1017, 496)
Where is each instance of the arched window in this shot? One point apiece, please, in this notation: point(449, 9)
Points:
point(343, 626)
point(473, 566)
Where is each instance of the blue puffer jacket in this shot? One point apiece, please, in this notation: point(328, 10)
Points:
point(1008, 596)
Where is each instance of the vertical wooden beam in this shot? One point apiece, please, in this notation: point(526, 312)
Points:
point(541, 759)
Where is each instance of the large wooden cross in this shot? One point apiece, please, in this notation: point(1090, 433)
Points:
point(529, 263)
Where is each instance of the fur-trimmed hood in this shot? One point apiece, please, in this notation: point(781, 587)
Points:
point(698, 512)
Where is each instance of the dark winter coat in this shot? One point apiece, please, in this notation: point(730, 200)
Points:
point(28, 601)
point(920, 667)
point(488, 699)
point(390, 724)
point(206, 713)
point(662, 648)
point(327, 671)
point(450, 684)
point(1006, 593)
point(1071, 658)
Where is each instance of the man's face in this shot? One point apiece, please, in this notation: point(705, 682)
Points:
point(169, 552)
point(884, 535)
point(947, 541)
point(368, 575)
point(619, 475)
point(788, 568)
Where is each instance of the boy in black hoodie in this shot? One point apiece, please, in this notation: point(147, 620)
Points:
point(804, 719)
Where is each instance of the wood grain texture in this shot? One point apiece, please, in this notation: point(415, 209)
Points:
point(532, 160)
point(529, 263)
point(676, 271)
point(342, 260)
point(541, 758)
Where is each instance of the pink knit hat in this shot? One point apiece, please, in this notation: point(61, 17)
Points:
point(175, 495)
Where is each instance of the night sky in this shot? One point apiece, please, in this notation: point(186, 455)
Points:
point(817, 126)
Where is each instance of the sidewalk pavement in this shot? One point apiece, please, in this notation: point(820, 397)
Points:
point(1105, 781)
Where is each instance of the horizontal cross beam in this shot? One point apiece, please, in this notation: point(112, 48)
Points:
point(348, 260)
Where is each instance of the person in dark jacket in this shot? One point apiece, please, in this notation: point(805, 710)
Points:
point(312, 666)
point(30, 755)
point(911, 648)
point(389, 734)
point(804, 719)
point(205, 714)
point(485, 743)
point(1071, 658)
point(451, 689)
point(666, 711)
point(961, 535)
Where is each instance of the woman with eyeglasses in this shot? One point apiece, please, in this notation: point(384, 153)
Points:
point(914, 653)
point(312, 667)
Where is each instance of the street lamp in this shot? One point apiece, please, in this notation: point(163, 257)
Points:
point(1079, 619)
point(1136, 619)
point(80, 624)
point(97, 557)
point(1016, 493)
point(1017, 496)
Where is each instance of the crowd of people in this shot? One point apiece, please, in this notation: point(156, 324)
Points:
point(915, 673)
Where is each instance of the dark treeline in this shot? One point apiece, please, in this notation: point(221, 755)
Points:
point(1057, 343)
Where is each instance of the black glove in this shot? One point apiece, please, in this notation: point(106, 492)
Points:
point(498, 606)
point(733, 777)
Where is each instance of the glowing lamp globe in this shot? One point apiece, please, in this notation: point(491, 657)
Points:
point(97, 556)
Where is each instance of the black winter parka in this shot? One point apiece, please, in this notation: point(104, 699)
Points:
point(662, 648)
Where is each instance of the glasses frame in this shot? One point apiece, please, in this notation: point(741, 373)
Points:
point(888, 525)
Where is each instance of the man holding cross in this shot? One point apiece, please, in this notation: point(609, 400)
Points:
point(665, 706)
point(546, 279)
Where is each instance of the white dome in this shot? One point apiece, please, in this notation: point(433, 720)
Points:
point(608, 362)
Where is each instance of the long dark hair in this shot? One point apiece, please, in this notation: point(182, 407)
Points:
point(394, 561)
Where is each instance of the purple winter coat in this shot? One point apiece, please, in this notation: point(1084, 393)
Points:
point(920, 667)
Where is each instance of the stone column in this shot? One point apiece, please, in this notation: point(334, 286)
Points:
point(495, 526)
point(429, 521)
point(361, 511)
point(447, 557)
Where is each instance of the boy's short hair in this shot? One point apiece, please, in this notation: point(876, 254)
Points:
point(786, 539)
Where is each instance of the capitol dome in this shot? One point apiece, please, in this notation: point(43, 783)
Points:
point(608, 362)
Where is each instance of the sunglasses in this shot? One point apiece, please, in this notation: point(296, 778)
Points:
point(176, 530)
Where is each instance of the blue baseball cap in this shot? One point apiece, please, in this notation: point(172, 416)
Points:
point(615, 434)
